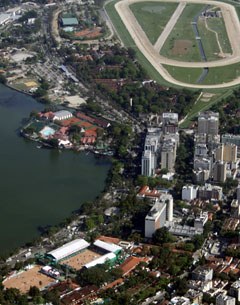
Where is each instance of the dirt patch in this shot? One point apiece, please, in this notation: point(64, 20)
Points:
point(81, 259)
point(181, 47)
point(24, 280)
point(89, 33)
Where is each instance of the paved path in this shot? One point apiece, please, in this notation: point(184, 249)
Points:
point(169, 27)
point(156, 60)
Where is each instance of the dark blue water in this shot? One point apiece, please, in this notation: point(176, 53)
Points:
point(38, 186)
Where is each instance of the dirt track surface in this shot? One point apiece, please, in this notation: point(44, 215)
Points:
point(142, 42)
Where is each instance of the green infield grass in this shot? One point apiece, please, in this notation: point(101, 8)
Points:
point(211, 30)
point(153, 17)
point(218, 75)
point(181, 43)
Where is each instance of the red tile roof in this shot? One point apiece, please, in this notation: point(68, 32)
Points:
point(131, 263)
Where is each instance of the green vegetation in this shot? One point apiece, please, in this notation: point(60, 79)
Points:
point(187, 75)
point(181, 43)
point(224, 74)
point(209, 38)
point(153, 17)
point(216, 75)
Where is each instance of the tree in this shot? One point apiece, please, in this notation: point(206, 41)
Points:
point(198, 241)
point(3, 79)
point(34, 291)
point(162, 236)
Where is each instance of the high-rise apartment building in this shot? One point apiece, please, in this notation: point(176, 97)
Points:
point(148, 163)
point(220, 171)
point(226, 152)
point(208, 122)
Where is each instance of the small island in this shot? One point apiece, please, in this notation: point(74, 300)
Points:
point(65, 129)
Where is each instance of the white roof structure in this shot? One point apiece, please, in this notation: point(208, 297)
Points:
point(4, 18)
point(100, 260)
point(69, 249)
point(75, 100)
point(62, 115)
point(107, 246)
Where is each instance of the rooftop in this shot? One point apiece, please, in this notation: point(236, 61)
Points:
point(69, 21)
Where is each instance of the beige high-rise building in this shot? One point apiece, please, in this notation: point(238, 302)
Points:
point(168, 155)
point(220, 171)
point(208, 122)
point(226, 152)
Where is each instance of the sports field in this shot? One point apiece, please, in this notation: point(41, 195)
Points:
point(26, 279)
point(181, 43)
point(81, 259)
point(153, 17)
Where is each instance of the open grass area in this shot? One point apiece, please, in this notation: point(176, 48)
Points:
point(220, 75)
point(216, 75)
point(127, 40)
point(181, 43)
point(187, 75)
point(153, 17)
point(211, 30)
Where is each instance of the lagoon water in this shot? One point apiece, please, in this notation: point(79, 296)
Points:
point(38, 187)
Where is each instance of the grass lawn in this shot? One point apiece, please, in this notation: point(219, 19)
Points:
point(220, 75)
point(153, 17)
point(187, 75)
point(216, 75)
point(183, 31)
point(209, 38)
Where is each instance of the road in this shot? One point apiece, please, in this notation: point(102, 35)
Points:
point(169, 27)
point(142, 42)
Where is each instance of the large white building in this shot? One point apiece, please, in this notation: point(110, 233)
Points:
point(161, 212)
point(107, 246)
point(149, 163)
point(71, 248)
point(151, 148)
point(189, 192)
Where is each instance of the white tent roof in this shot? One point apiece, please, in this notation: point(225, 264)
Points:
point(107, 246)
point(69, 249)
point(100, 260)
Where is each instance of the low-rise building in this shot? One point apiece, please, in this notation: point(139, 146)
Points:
point(223, 299)
point(201, 220)
point(210, 192)
point(202, 274)
point(235, 290)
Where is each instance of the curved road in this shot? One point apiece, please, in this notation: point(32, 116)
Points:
point(142, 42)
